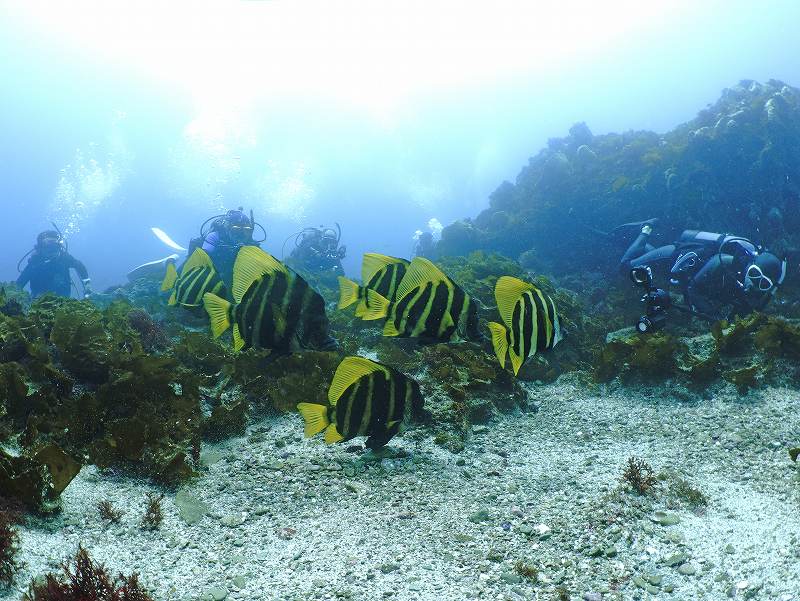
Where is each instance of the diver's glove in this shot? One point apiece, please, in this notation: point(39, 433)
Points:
point(87, 287)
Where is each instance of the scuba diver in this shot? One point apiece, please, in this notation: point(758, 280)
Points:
point(425, 246)
point(719, 275)
point(221, 236)
point(48, 267)
point(317, 249)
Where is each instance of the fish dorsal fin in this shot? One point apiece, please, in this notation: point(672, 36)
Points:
point(373, 263)
point(350, 370)
point(199, 258)
point(420, 272)
point(251, 264)
point(507, 292)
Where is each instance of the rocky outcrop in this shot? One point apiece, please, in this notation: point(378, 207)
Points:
point(735, 168)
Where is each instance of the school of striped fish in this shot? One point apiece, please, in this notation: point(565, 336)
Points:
point(270, 306)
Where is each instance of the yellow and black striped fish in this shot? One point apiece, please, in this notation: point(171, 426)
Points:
point(197, 277)
point(428, 305)
point(530, 318)
point(273, 308)
point(367, 398)
point(380, 273)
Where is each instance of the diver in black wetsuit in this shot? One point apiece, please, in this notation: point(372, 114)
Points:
point(48, 267)
point(719, 275)
point(222, 236)
point(318, 250)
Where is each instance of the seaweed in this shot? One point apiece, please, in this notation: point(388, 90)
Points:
point(108, 513)
point(9, 547)
point(638, 475)
point(152, 335)
point(744, 378)
point(527, 571)
point(84, 580)
point(153, 512)
point(650, 357)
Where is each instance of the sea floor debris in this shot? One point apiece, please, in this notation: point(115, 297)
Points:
point(288, 518)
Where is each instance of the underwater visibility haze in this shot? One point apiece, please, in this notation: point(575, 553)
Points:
point(378, 300)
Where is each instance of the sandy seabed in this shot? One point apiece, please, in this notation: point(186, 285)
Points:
point(533, 508)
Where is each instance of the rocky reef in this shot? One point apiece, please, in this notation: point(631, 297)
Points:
point(749, 353)
point(124, 385)
point(734, 168)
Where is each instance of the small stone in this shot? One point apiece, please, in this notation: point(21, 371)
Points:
point(729, 549)
point(494, 555)
point(480, 429)
point(592, 596)
point(687, 569)
point(676, 559)
point(510, 578)
point(388, 568)
point(232, 521)
point(654, 579)
point(665, 519)
point(610, 551)
point(239, 581)
point(525, 528)
point(218, 593)
point(479, 516)
point(543, 530)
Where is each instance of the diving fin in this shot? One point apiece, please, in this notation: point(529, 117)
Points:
point(164, 237)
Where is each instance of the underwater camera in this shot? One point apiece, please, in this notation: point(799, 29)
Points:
point(656, 301)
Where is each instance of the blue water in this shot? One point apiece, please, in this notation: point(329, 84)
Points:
point(107, 148)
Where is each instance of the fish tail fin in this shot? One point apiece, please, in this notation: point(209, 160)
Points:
point(219, 312)
point(332, 434)
point(170, 278)
point(349, 292)
point(377, 306)
point(499, 341)
point(315, 418)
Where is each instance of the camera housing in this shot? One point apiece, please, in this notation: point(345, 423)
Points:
point(656, 301)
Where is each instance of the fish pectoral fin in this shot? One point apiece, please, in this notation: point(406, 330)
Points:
point(251, 264)
point(348, 292)
point(372, 263)
point(315, 418)
point(173, 299)
point(170, 278)
point(499, 341)
point(377, 306)
point(350, 370)
point(420, 272)
point(507, 292)
point(332, 435)
point(219, 313)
